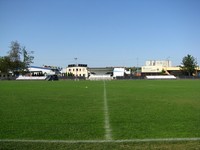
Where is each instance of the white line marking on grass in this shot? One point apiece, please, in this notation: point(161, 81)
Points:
point(102, 141)
point(108, 134)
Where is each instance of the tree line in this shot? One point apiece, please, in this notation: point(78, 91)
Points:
point(18, 59)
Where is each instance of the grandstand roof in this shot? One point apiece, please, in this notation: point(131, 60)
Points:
point(39, 67)
point(101, 70)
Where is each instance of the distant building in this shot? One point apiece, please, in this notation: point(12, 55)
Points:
point(63, 72)
point(79, 70)
point(6, 76)
point(100, 73)
point(34, 70)
point(162, 63)
point(120, 72)
point(151, 69)
point(156, 66)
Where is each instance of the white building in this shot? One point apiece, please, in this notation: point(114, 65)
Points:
point(79, 70)
point(39, 73)
point(46, 71)
point(163, 63)
point(156, 66)
point(63, 71)
point(152, 69)
point(120, 72)
point(100, 73)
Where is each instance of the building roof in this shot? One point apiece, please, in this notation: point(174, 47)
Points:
point(78, 65)
point(39, 67)
point(101, 70)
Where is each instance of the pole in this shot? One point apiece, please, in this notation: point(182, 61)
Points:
point(137, 66)
point(76, 64)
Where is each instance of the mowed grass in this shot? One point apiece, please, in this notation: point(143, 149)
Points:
point(69, 110)
point(154, 109)
point(51, 110)
point(184, 145)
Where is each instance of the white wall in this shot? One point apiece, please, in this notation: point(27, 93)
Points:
point(153, 69)
point(118, 72)
point(163, 63)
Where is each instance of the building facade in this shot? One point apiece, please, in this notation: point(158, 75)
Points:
point(156, 66)
point(79, 70)
point(163, 63)
point(34, 70)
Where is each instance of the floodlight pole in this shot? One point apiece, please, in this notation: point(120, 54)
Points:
point(137, 66)
point(168, 59)
point(76, 64)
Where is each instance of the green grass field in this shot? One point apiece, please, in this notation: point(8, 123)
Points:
point(71, 111)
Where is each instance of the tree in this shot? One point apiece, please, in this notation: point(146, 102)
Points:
point(14, 56)
point(189, 65)
point(18, 59)
point(15, 51)
point(27, 57)
point(5, 64)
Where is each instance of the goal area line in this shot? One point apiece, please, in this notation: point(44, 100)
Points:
point(101, 141)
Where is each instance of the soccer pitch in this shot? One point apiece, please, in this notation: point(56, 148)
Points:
point(99, 111)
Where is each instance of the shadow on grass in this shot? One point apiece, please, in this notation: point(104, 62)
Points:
point(185, 145)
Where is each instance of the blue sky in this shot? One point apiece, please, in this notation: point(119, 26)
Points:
point(102, 32)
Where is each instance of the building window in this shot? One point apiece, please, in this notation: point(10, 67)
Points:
point(79, 69)
point(69, 69)
point(76, 69)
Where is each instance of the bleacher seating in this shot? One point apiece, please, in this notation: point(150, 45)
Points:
point(100, 77)
point(31, 78)
point(157, 77)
